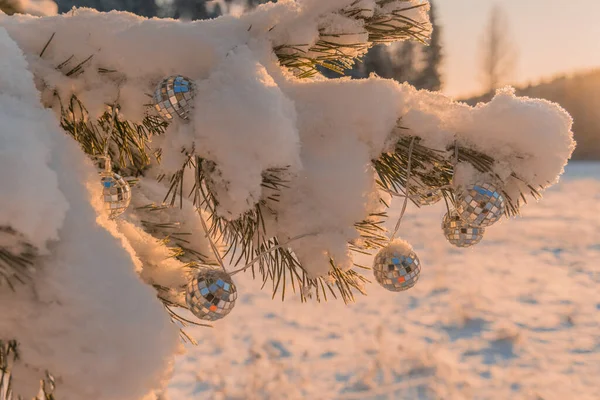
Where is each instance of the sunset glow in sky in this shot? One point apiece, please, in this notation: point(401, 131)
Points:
point(552, 36)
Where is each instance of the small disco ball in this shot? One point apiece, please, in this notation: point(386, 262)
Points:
point(211, 294)
point(459, 233)
point(480, 205)
point(116, 194)
point(173, 96)
point(396, 269)
point(430, 198)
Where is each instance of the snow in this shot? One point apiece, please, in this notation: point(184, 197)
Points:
point(28, 154)
point(250, 115)
point(39, 7)
point(516, 316)
point(86, 316)
point(241, 83)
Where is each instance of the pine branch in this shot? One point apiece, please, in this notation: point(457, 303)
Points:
point(373, 234)
point(246, 240)
point(332, 52)
point(434, 169)
point(9, 355)
point(17, 257)
point(128, 142)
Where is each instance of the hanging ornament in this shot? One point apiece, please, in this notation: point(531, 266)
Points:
point(173, 96)
point(397, 267)
point(211, 294)
point(459, 233)
point(116, 192)
point(480, 205)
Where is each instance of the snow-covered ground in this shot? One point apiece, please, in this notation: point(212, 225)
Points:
point(517, 317)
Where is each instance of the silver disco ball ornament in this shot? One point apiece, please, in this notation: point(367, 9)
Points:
point(211, 294)
point(459, 233)
point(116, 194)
point(397, 267)
point(480, 205)
point(173, 97)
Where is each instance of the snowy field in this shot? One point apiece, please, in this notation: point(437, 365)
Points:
point(517, 317)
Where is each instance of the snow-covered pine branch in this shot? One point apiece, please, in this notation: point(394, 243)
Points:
point(271, 161)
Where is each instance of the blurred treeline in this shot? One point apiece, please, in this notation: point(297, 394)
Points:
point(579, 94)
point(185, 9)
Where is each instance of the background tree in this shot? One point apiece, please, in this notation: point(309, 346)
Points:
point(145, 8)
point(498, 51)
point(178, 9)
point(430, 77)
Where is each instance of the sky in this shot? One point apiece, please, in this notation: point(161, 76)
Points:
point(551, 36)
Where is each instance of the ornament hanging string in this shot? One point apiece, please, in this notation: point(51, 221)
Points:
point(455, 153)
point(110, 132)
point(454, 164)
point(419, 193)
point(212, 244)
point(407, 188)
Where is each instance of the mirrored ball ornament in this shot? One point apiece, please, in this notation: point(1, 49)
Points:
point(480, 205)
point(397, 268)
point(459, 233)
point(211, 294)
point(173, 97)
point(116, 194)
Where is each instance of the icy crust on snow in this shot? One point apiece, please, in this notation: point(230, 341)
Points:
point(251, 115)
point(86, 317)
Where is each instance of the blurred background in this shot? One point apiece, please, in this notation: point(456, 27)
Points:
point(517, 317)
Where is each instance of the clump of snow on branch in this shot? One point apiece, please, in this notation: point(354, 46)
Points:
point(530, 139)
point(342, 129)
point(27, 180)
point(39, 7)
point(263, 115)
point(86, 317)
